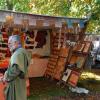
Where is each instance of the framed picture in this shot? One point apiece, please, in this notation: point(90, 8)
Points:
point(73, 79)
point(80, 62)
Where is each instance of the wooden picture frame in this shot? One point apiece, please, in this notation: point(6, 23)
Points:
point(79, 47)
point(73, 79)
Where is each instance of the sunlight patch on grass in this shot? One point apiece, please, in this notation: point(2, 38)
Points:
point(90, 75)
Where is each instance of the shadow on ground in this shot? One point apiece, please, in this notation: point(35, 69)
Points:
point(47, 89)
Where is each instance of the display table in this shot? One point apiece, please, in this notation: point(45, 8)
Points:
point(37, 67)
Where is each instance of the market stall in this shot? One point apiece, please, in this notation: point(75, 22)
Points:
point(50, 39)
point(37, 33)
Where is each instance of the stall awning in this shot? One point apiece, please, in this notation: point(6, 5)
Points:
point(26, 19)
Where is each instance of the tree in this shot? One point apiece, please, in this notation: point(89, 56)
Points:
point(87, 8)
point(16, 5)
point(69, 8)
point(52, 7)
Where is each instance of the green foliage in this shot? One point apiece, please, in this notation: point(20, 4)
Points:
point(70, 8)
point(45, 89)
point(52, 7)
point(17, 5)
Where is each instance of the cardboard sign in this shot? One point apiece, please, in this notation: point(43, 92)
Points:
point(66, 75)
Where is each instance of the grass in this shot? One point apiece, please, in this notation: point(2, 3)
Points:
point(90, 81)
point(41, 88)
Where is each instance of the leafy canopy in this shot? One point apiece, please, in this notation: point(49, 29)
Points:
point(69, 8)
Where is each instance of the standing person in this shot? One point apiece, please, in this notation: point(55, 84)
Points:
point(96, 53)
point(15, 76)
point(96, 45)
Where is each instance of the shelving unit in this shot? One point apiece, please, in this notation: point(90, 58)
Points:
point(53, 57)
point(76, 63)
point(4, 45)
point(62, 59)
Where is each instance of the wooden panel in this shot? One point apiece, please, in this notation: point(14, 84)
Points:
point(39, 23)
point(73, 59)
point(87, 47)
point(59, 68)
point(64, 51)
point(63, 57)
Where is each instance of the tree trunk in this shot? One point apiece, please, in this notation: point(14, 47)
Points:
point(9, 4)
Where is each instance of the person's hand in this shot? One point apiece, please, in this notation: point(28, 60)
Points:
point(1, 79)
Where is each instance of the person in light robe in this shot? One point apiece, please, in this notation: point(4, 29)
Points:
point(96, 45)
point(15, 75)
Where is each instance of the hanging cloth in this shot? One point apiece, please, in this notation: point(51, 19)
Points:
point(70, 25)
point(1, 37)
point(81, 24)
point(64, 42)
point(59, 41)
point(35, 34)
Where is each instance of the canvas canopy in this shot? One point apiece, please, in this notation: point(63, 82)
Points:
point(11, 18)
